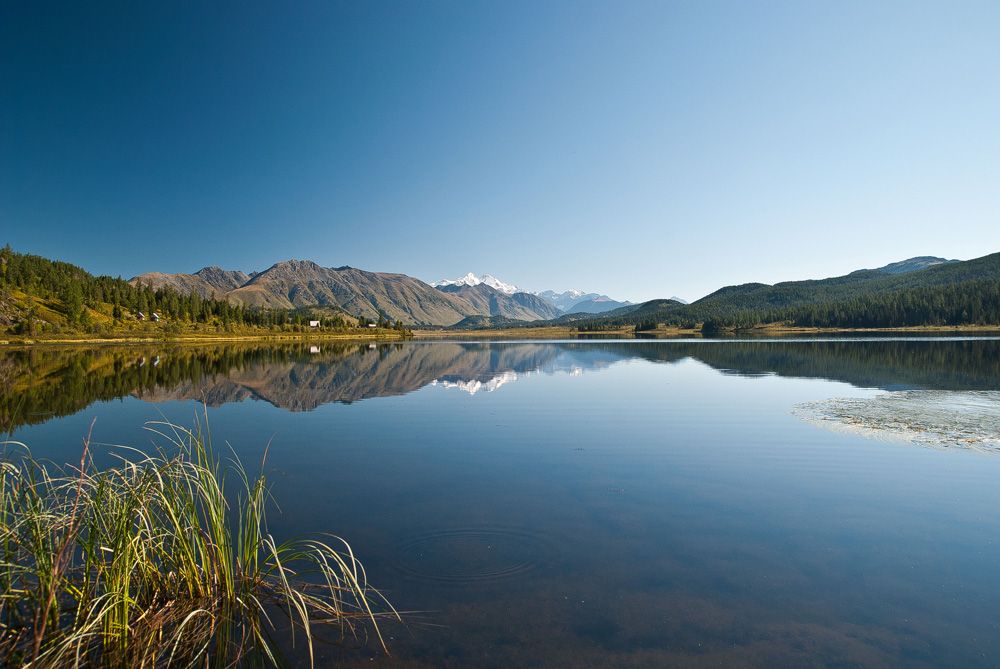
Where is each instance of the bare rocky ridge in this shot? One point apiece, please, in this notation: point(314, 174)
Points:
point(205, 282)
point(297, 283)
point(488, 301)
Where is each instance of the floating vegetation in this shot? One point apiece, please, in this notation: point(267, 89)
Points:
point(932, 418)
point(150, 564)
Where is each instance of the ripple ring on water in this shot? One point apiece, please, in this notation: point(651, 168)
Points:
point(470, 555)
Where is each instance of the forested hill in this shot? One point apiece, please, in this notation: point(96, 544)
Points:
point(38, 295)
point(955, 293)
point(856, 284)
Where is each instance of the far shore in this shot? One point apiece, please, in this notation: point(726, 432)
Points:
point(678, 332)
point(303, 337)
point(387, 336)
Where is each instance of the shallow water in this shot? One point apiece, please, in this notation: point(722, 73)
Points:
point(598, 503)
point(931, 418)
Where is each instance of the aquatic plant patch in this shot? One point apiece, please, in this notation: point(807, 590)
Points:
point(150, 563)
point(933, 418)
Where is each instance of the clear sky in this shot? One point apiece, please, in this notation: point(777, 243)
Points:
point(638, 149)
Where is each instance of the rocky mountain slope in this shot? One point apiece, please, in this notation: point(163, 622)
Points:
point(488, 301)
point(296, 283)
point(205, 282)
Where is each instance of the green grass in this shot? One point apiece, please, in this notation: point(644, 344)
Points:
point(148, 563)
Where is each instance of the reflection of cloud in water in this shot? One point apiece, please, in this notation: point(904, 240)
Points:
point(932, 418)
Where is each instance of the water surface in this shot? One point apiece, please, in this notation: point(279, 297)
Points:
point(628, 503)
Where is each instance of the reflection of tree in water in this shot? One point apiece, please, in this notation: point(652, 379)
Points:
point(941, 363)
point(42, 382)
point(8, 372)
point(54, 381)
point(944, 364)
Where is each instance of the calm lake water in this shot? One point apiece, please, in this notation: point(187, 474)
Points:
point(602, 504)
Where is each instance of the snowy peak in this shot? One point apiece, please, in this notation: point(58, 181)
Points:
point(566, 302)
point(494, 282)
point(471, 279)
point(567, 297)
point(577, 300)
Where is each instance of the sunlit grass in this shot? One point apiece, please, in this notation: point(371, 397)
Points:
point(151, 563)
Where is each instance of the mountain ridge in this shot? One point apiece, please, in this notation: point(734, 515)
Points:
point(473, 302)
point(293, 284)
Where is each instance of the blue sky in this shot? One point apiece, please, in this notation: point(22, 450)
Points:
point(638, 149)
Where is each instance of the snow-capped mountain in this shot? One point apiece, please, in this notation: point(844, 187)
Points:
point(471, 279)
point(567, 302)
point(576, 300)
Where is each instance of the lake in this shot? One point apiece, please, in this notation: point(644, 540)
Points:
point(600, 503)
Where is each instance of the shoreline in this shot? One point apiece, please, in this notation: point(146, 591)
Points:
point(504, 333)
point(206, 339)
point(665, 332)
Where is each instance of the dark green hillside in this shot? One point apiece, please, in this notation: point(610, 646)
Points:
point(965, 303)
point(731, 291)
point(575, 318)
point(836, 289)
point(867, 298)
point(648, 308)
point(489, 323)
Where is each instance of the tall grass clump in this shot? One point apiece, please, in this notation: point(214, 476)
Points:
point(149, 563)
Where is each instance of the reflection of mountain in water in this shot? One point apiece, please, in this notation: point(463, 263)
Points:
point(473, 387)
point(362, 373)
point(37, 384)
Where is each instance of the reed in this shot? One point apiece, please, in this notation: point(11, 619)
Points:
point(151, 563)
